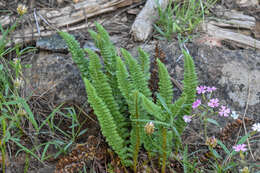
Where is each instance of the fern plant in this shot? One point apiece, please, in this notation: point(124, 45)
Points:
point(124, 82)
point(168, 114)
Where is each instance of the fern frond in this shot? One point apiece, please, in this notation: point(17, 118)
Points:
point(107, 49)
point(144, 61)
point(177, 107)
point(109, 54)
point(152, 108)
point(107, 123)
point(104, 91)
point(190, 83)
point(94, 36)
point(124, 83)
point(102, 32)
point(137, 77)
point(77, 53)
point(165, 84)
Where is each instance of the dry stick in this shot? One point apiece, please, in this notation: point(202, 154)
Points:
point(128, 8)
point(84, 113)
point(174, 81)
point(36, 21)
point(244, 125)
point(177, 84)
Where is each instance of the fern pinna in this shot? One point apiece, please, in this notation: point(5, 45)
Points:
point(78, 54)
point(124, 82)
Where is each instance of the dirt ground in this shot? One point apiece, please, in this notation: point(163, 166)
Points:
point(90, 149)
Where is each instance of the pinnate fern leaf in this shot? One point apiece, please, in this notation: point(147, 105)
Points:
point(104, 91)
point(136, 74)
point(77, 53)
point(144, 61)
point(152, 108)
point(165, 84)
point(190, 83)
point(107, 123)
point(124, 83)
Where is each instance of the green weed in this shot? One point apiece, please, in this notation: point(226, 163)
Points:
point(181, 17)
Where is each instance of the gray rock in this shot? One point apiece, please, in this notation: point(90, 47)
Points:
point(55, 75)
point(231, 71)
point(53, 43)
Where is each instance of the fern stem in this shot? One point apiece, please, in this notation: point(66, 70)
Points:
point(137, 145)
point(164, 156)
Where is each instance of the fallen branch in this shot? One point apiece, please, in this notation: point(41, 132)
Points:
point(143, 24)
point(234, 20)
point(225, 34)
point(65, 17)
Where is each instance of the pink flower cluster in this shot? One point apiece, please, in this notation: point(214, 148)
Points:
point(204, 89)
point(240, 147)
point(187, 118)
point(213, 103)
point(196, 104)
point(224, 111)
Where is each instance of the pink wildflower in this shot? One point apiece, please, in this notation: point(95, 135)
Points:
point(187, 118)
point(240, 147)
point(211, 89)
point(224, 111)
point(213, 103)
point(196, 104)
point(201, 89)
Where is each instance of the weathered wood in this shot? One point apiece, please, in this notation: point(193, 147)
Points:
point(25, 38)
point(234, 19)
point(143, 24)
point(66, 17)
point(226, 34)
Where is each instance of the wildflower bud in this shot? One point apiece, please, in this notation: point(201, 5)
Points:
point(212, 142)
point(16, 60)
point(17, 83)
point(21, 112)
point(149, 128)
point(21, 9)
point(245, 170)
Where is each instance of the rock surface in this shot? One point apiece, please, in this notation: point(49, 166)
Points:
point(57, 75)
point(236, 74)
point(233, 72)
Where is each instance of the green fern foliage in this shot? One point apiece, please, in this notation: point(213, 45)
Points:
point(136, 74)
point(104, 91)
point(165, 84)
point(77, 53)
point(144, 61)
point(124, 83)
point(108, 53)
point(177, 107)
point(107, 123)
point(190, 83)
point(152, 108)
